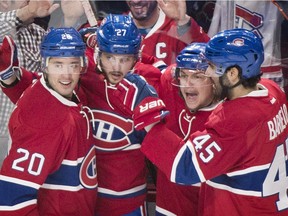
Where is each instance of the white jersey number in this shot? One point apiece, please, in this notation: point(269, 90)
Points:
point(208, 150)
point(36, 162)
point(276, 181)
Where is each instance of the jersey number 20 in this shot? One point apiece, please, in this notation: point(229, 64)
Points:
point(31, 167)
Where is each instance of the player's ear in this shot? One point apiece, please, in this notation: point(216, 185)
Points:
point(233, 74)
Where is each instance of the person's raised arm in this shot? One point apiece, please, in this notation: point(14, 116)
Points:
point(36, 9)
point(175, 9)
point(187, 28)
point(8, 56)
point(10, 72)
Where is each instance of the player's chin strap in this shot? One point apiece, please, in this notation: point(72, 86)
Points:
point(235, 85)
point(229, 87)
point(87, 119)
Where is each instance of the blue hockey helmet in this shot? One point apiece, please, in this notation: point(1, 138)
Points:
point(62, 42)
point(118, 34)
point(236, 47)
point(193, 60)
point(192, 57)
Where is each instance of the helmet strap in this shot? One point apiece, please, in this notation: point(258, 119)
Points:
point(235, 85)
point(225, 89)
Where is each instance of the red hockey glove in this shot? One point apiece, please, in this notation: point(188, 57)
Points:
point(125, 96)
point(89, 36)
point(8, 58)
point(150, 111)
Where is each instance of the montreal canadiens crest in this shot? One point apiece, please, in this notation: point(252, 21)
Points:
point(88, 171)
point(111, 131)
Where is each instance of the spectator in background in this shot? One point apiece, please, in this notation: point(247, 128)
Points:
point(70, 14)
point(16, 19)
point(165, 26)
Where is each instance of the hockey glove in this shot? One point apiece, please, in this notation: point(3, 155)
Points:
point(149, 112)
point(89, 36)
point(8, 58)
point(125, 96)
point(127, 93)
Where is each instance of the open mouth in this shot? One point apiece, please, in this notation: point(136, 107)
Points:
point(116, 74)
point(191, 95)
point(65, 83)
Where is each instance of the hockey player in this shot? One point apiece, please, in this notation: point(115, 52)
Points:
point(241, 153)
point(50, 168)
point(120, 164)
point(198, 98)
point(166, 27)
point(188, 113)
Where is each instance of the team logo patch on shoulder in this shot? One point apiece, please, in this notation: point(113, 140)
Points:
point(88, 171)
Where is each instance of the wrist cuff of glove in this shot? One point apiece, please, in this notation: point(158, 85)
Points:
point(15, 71)
point(153, 119)
point(7, 74)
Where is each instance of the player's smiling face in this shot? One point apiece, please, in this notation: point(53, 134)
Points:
point(116, 66)
point(196, 89)
point(141, 9)
point(63, 74)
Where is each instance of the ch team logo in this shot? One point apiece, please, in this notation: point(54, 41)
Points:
point(249, 20)
point(238, 42)
point(88, 171)
point(111, 131)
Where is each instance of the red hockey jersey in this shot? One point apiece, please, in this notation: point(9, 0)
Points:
point(121, 165)
point(51, 166)
point(241, 155)
point(171, 198)
point(164, 42)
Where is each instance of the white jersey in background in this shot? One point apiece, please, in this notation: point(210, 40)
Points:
point(261, 17)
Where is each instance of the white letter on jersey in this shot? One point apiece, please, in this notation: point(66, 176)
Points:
point(159, 54)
